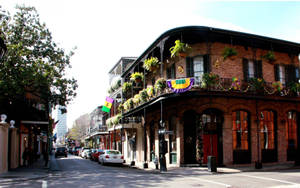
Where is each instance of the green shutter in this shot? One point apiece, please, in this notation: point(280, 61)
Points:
point(245, 69)
point(206, 63)
point(189, 67)
point(259, 69)
point(276, 72)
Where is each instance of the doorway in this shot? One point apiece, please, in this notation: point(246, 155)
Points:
point(212, 121)
point(189, 126)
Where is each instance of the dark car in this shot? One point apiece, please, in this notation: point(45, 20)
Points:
point(61, 151)
point(96, 154)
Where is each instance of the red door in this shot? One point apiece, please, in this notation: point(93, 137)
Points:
point(210, 146)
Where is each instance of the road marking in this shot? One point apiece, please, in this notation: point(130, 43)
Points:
point(271, 179)
point(44, 184)
point(212, 182)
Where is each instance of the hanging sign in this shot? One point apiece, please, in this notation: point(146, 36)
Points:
point(180, 85)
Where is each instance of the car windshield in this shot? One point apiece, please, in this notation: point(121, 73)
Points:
point(113, 152)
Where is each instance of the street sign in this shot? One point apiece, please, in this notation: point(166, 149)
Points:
point(164, 131)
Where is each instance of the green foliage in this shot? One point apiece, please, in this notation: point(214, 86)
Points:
point(137, 77)
point(257, 84)
point(128, 104)
point(228, 52)
point(270, 56)
point(160, 85)
point(178, 48)
point(294, 87)
point(33, 62)
point(151, 64)
point(127, 86)
point(136, 99)
point(210, 79)
point(144, 95)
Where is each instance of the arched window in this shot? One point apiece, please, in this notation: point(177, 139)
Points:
point(291, 135)
point(268, 134)
point(241, 137)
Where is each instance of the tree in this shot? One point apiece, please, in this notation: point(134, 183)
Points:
point(79, 129)
point(33, 63)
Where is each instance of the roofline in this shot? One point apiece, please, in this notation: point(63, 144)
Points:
point(118, 62)
point(205, 28)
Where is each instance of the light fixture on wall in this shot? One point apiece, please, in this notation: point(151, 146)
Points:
point(12, 123)
point(3, 118)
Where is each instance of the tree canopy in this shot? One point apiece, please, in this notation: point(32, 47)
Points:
point(33, 63)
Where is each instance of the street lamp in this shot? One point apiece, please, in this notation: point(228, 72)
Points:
point(3, 48)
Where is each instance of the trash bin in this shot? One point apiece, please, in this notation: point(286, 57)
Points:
point(212, 163)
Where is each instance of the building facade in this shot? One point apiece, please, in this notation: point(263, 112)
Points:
point(233, 95)
point(61, 127)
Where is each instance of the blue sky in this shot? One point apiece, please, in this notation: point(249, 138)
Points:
point(104, 31)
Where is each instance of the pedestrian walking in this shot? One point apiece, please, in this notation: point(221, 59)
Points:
point(46, 157)
point(25, 157)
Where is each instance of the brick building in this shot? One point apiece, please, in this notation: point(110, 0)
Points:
point(241, 107)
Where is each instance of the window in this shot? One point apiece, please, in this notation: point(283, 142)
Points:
point(252, 69)
point(291, 130)
point(152, 141)
point(171, 72)
point(267, 133)
point(172, 140)
point(281, 74)
point(197, 66)
point(240, 123)
point(286, 73)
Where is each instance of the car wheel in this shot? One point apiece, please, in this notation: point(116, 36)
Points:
point(102, 162)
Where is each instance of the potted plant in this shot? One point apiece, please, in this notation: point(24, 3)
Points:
point(295, 88)
point(236, 84)
point(229, 52)
point(136, 99)
point(257, 84)
point(210, 80)
point(160, 85)
point(137, 77)
point(128, 104)
point(179, 49)
point(126, 87)
point(151, 64)
point(269, 56)
point(150, 91)
point(120, 108)
point(277, 86)
point(144, 95)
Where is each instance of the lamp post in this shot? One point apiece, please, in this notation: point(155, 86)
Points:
point(3, 48)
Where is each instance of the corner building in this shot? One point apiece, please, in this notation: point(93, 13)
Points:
point(243, 109)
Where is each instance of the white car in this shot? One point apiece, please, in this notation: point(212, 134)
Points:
point(111, 156)
point(84, 153)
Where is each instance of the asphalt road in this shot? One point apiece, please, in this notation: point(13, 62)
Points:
point(76, 172)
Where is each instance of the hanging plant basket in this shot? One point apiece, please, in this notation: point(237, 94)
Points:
point(230, 53)
point(179, 49)
point(270, 57)
point(137, 77)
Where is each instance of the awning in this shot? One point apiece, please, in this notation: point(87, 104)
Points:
point(35, 122)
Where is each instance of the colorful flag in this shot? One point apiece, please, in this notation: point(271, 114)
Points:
point(180, 85)
point(107, 105)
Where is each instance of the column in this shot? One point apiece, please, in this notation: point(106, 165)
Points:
point(227, 140)
point(14, 140)
point(4, 147)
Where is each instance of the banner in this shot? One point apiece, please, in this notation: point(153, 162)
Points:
point(180, 85)
point(107, 105)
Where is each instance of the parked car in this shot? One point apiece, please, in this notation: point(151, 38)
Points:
point(81, 150)
point(75, 150)
point(96, 154)
point(111, 156)
point(84, 153)
point(61, 151)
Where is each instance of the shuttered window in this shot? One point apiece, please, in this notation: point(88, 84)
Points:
point(171, 72)
point(252, 69)
point(197, 66)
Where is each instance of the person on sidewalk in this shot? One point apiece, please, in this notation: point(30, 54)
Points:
point(25, 157)
point(46, 157)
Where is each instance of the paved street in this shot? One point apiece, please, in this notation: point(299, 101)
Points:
point(77, 172)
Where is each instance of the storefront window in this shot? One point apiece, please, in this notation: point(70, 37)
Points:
point(240, 130)
point(267, 138)
point(291, 130)
point(172, 138)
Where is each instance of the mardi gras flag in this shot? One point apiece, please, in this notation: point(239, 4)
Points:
point(107, 105)
point(180, 85)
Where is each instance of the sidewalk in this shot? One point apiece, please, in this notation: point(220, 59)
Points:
point(220, 170)
point(37, 170)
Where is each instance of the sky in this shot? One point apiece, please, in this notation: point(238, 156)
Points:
point(104, 31)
